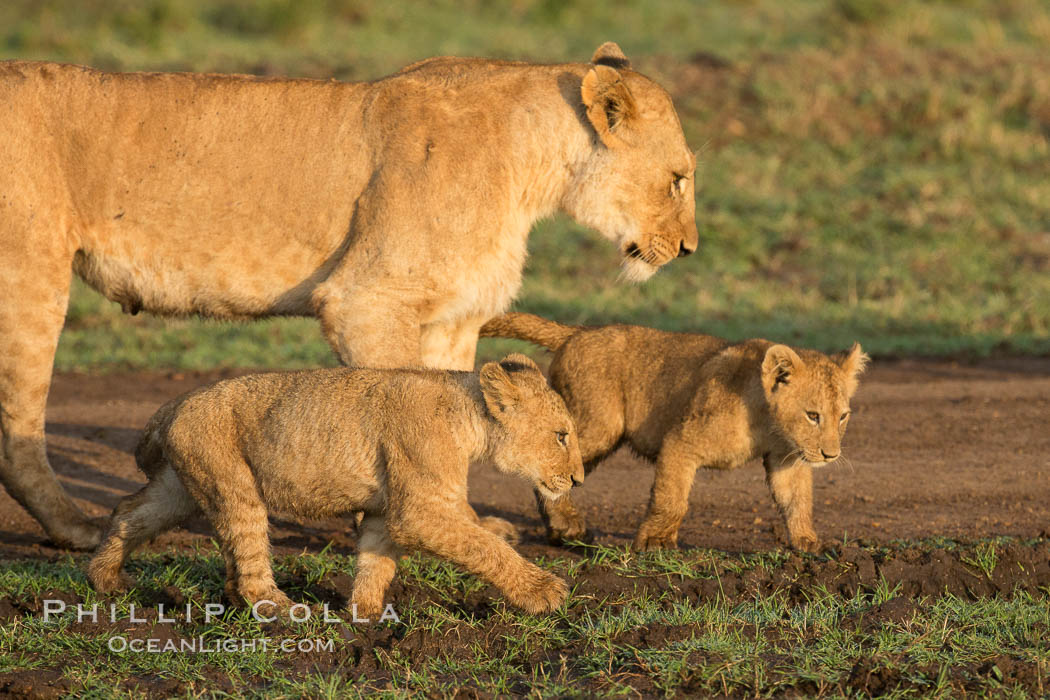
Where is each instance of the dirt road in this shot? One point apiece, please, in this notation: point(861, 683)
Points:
point(934, 449)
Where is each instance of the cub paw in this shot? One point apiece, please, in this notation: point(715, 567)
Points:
point(572, 532)
point(648, 541)
point(545, 593)
point(361, 609)
point(270, 602)
point(108, 581)
point(806, 543)
point(502, 528)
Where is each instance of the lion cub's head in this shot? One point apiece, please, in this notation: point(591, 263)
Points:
point(636, 186)
point(809, 397)
point(537, 437)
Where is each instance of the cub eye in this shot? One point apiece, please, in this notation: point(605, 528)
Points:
point(844, 416)
point(563, 438)
point(813, 417)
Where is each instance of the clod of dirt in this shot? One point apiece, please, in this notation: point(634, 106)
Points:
point(36, 684)
point(656, 636)
point(867, 677)
point(893, 611)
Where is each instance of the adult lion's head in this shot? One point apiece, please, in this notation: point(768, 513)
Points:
point(636, 186)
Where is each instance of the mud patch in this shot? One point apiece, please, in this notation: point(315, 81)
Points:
point(37, 684)
point(462, 635)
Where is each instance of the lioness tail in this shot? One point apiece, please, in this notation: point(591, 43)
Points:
point(549, 334)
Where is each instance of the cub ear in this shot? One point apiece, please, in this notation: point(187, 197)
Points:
point(853, 362)
point(498, 389)
point(517, 361)
point(608, 101)
point(778, 366)
point(609, 54)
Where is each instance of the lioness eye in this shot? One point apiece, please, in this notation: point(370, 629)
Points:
point(563, 438)
point(813, 417)
point(844, 416)
point(678, 184)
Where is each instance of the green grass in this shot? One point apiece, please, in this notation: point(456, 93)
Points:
point(454, 632)
point(870, 170)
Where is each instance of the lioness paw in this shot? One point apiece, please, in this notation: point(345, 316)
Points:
point(82, 536)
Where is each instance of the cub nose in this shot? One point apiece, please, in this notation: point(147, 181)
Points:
point(577, 479)
point(684, 251)
point(827, 456)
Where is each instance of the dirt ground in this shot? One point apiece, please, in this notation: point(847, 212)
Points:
point(960, 450)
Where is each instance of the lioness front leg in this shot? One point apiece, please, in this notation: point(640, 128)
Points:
point(446, 532)
point(369, 327)
point(450, 344)
point(35, 278)
point(669, 499)
point(791, 483)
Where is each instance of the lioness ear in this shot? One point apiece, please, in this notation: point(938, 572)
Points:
point(608, 101)
point(853, 362)
point(609, 54)
point(778, 366)
point(498, 388)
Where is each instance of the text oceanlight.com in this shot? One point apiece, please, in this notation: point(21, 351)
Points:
point(202, 645)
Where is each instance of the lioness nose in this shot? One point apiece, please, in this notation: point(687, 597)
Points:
point(827, 456)
point(683, 251)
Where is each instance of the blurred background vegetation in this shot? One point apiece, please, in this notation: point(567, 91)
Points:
point(870, 169)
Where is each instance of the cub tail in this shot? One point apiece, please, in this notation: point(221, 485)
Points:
point(550, 334)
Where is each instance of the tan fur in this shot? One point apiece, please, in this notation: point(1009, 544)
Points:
point(395, 444)
point(687, 401)
point(395, 211)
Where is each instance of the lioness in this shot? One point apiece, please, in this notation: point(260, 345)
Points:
point(395, 211)
point(395, 444)
point(686, 401)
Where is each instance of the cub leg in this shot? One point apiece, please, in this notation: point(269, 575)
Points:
point(599, 433)
point(159, 506)
point(502, 528)
point(561, 519)
point(229, 588)
point(222, 483)
point(791, 483)
point(498, 526)
point(446, 532)
point(376, 562)
point(35, 283)
point(669, 498)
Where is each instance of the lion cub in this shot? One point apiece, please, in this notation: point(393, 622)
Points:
point(395, 444)
point(688, 401)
